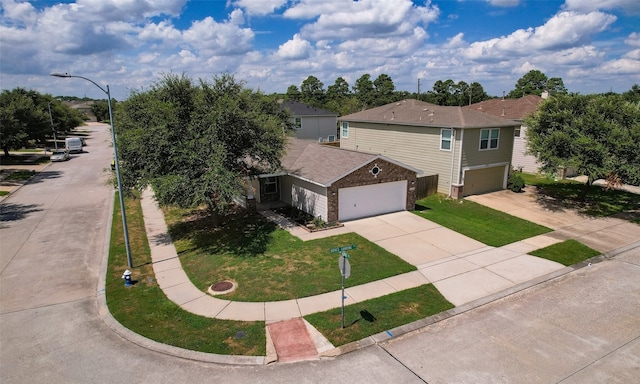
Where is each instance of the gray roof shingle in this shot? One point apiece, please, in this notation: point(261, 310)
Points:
point(324, 164)
point(419, 113)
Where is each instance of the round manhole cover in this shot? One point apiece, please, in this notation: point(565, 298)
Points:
point(222, 287)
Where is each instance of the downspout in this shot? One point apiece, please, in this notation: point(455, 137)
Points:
point(453, 156)
point(460, 157)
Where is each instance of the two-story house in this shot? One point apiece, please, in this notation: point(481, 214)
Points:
point(312, 123)
point(470, 151)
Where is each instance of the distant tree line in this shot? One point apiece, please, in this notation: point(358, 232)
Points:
point(366, 93)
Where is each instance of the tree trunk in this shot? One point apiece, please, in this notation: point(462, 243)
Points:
point(6, 151)
point(585, 189)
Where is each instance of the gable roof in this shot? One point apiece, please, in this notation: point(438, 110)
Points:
point(301, 109)
point(325, 164)
point(515, 109)
point(419, 113)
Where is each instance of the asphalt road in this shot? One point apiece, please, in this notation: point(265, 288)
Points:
point(583, 327)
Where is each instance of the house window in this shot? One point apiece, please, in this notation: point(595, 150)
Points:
point(331, 138)
point(270, 185)
point(489, 138)
point(445, 139)
point(516, 133)
point(345, 129)
point(297, 121)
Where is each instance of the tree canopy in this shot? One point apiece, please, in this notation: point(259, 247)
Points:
point(535, 82)
point(28, 116)
point(196, 144)
point(598, 135)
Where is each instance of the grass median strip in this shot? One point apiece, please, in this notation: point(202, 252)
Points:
point(476, 221)
point(380, 314)
point(567, 253)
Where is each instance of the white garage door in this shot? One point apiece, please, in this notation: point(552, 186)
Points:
point(371, 200)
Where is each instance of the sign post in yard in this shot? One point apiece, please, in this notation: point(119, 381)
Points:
point(345, 269)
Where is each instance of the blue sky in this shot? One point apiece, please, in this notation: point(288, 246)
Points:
point(593, 45)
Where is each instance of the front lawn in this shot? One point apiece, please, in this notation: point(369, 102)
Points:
point(567, 253)
point(476, 221)
point(599, 201)
point(268, 263)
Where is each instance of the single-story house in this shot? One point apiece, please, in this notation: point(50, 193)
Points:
point(470, 151)
point(312, 123)
point(337, 184)
point(516, 110)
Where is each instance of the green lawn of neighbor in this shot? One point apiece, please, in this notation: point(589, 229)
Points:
point(476, 221)
point(567, 253)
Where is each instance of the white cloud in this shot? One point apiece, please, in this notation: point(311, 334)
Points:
point(346, 19)
point(633, 39)
point(213, 38)
point(294, 49)
point(259, 7)
point(628, 6)
point(563, 31)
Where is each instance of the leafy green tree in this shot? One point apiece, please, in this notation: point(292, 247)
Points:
point(25, 118)
point(338, 90)
point(312, 92)
point(293, 93)
point(100, 109)
point(197, 144)
point(383, 89)
point(535, 82)
point(477, 93)
point(364, 91)
point(596, 135)
point(17, 115)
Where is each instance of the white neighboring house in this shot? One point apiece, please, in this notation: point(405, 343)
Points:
point(312, 123)
point(516, 110)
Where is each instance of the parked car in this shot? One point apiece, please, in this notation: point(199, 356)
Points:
point(59, 155)
point(73, 144)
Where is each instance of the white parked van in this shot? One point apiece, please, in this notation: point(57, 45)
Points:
point(73, 144)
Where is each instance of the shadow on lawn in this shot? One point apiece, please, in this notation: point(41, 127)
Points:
point(244, 234)
point(598, 202)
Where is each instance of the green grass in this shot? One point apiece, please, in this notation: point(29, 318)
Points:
point(19, 175)
point(380, 314)
point(599, 202)
point(567, 253)
point(4, 193)
point(268, 263)
point(476, 221)
point(144, 309)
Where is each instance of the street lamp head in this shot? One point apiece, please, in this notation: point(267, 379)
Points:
point(58, 74)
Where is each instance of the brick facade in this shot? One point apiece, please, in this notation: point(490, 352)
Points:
point(389, 172)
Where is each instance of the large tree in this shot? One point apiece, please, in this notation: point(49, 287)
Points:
point(596, 135)
point(25, 117)
point(312, 92)
point(535, 82)
point(384, 89)
point(364, 91)
point(197, 144)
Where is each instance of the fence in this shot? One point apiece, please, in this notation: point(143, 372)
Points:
point(426, 185)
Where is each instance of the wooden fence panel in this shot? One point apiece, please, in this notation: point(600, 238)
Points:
point(426, 185)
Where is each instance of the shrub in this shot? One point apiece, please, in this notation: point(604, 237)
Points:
point(516, 182)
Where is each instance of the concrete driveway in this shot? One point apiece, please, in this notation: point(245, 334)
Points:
point(601, 234)
point(462, 268)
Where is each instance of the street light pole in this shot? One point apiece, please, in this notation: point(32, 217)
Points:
point(115, 157)
point(55, 140)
